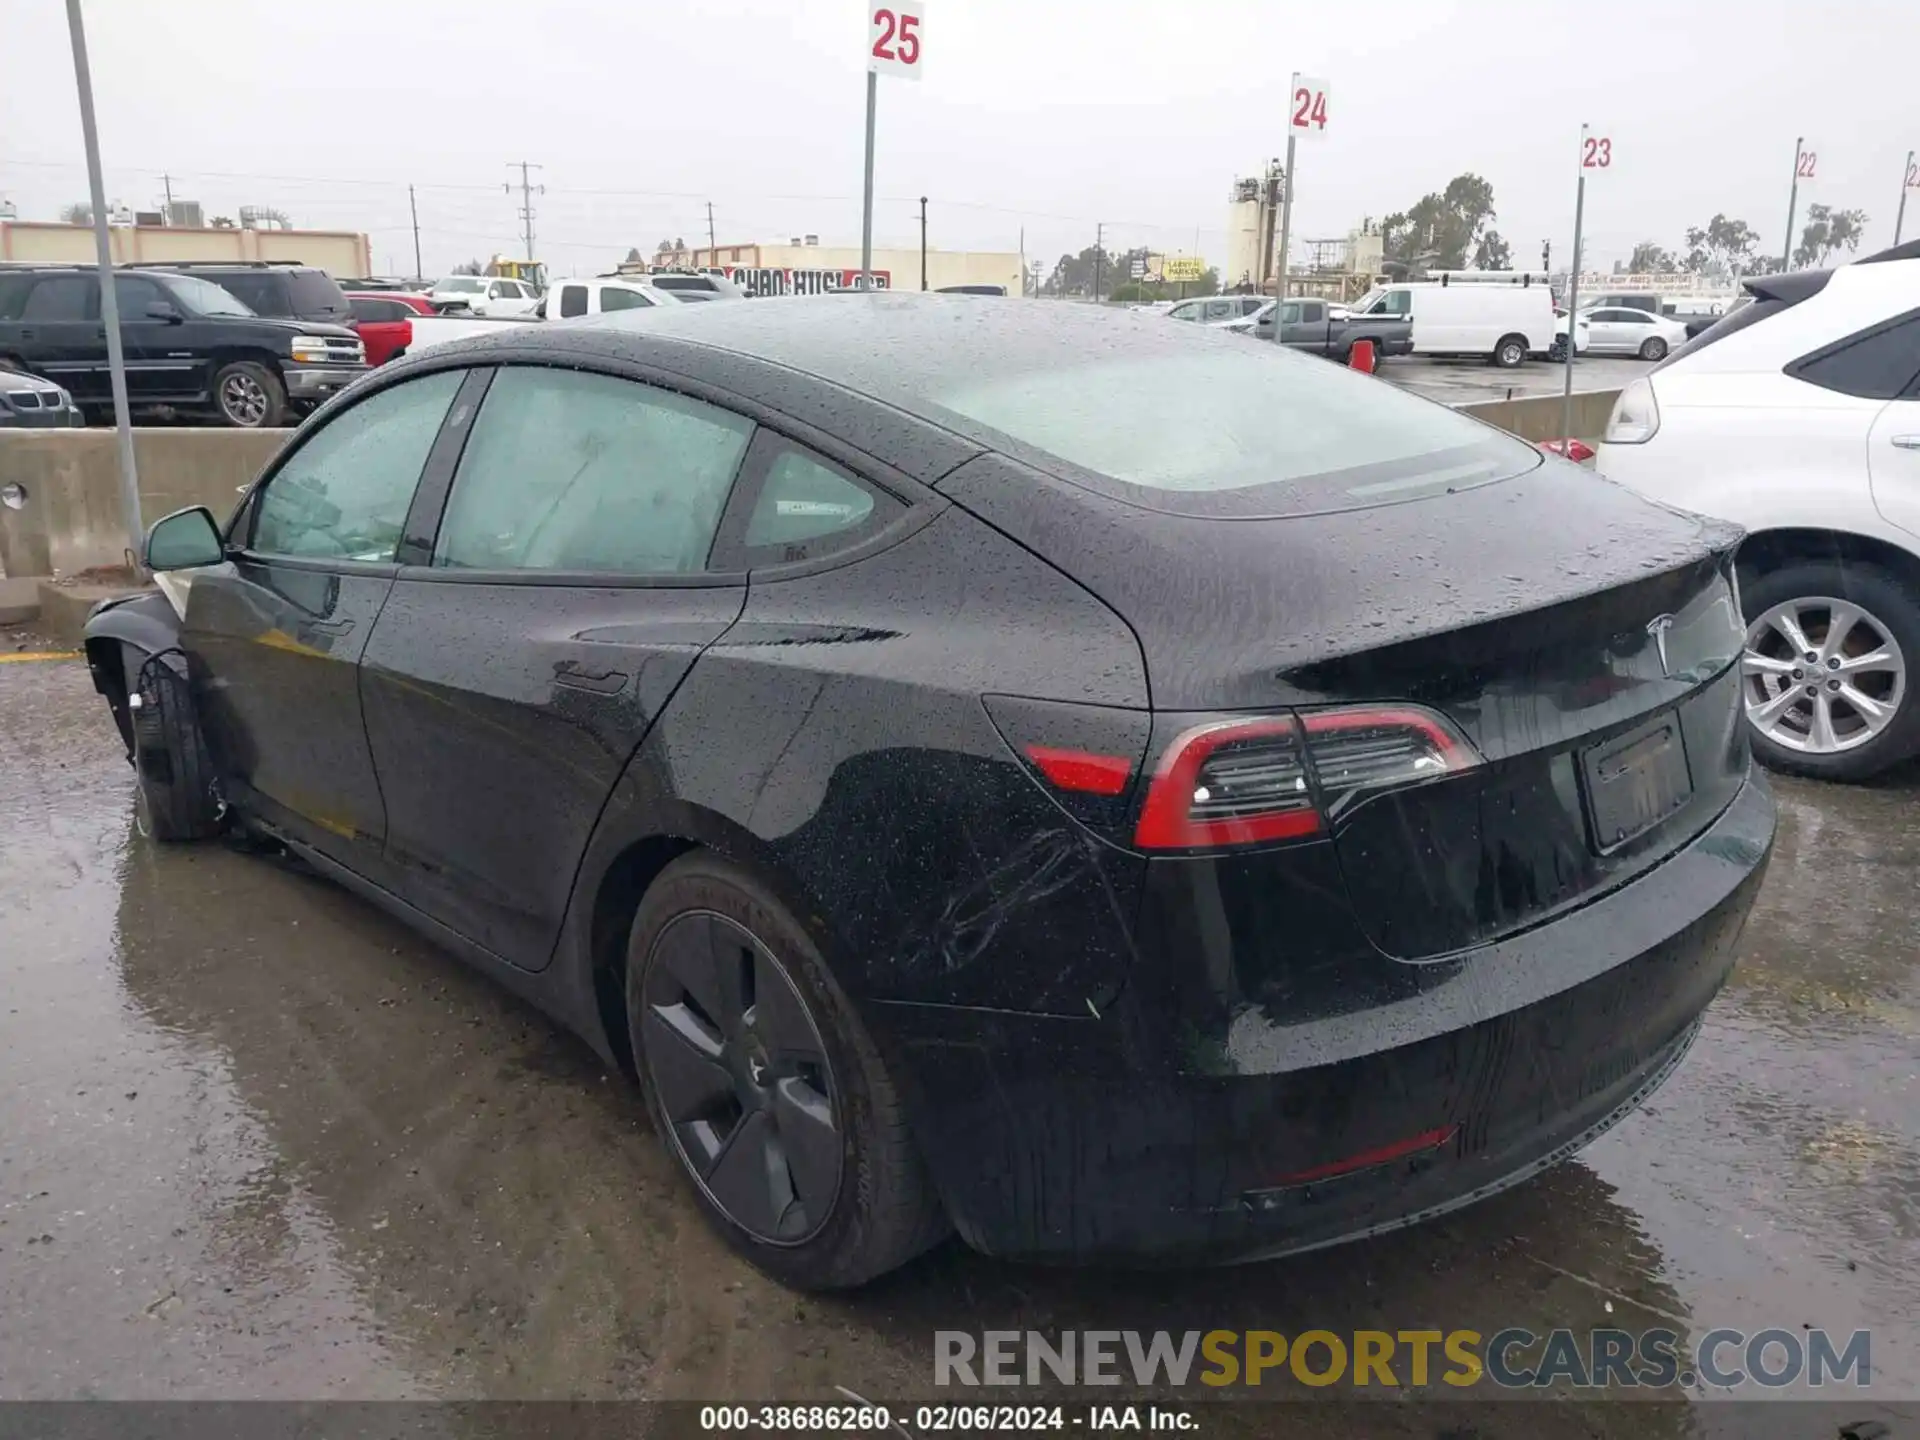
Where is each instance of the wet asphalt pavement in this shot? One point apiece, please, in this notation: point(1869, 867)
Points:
point(257, 1140)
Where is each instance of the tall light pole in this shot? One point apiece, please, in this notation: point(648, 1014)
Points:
point(109, 299)
point(923, 242)
point(1793, 203)
point(1906, 183)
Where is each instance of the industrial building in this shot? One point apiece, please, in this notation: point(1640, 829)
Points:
point(1339, 269)
point(338, 252)
point(805, 266)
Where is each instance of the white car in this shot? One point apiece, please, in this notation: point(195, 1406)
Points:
point(484, 295)
point(1798, 416)
point(1213, 309)
point(1582, 336)
point(1620, 330)
point(566, 299)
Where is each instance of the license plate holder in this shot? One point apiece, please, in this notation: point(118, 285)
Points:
point(1634, 781)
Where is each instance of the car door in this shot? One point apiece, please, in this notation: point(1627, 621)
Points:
point(515, 670)
point(158, 368)
point(1607, 332)
point(60, 336)
point(275, 634)
point(1881, 363)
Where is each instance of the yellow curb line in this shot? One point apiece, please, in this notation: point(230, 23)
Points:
point(40, 655)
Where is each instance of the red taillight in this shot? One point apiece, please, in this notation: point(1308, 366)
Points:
point(1367, 1159)
point(1247, 782)
point(1234, 782)
point(1081, 770)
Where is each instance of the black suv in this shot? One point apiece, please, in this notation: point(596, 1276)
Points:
point(190, 344)
point(280, 288)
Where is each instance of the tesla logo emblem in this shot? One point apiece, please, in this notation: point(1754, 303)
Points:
point(1657, 628)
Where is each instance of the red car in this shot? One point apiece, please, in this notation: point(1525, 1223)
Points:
point(384, 320)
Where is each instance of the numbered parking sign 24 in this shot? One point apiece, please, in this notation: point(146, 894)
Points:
point(1596, 152)
point(896, 38)
point(1307, 108)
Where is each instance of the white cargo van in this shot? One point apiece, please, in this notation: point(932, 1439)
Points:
point(1504, 322)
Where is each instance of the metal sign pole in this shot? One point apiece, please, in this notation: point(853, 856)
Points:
point(1793, 203)
point(1286, 231)
point(866, 208)
point(109, 300)
point(1573, 302)
point(1900, 216)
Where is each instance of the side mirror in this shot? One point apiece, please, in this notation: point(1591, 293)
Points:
point(163, 310)
point(185, 539)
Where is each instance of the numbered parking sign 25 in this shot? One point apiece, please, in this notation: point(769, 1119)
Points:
point(896, 38)
point(1307, 108)
point(1596, 153)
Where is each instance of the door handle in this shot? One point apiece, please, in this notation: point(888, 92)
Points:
point(1906, 442)
point(576, 676)
point(330, 627)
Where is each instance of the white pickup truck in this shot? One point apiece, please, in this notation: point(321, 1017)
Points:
point(564, 300)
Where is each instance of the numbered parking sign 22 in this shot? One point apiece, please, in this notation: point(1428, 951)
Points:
point(1596, 153)
point(1806, 165)
point(1307, 108)
point(896, 38)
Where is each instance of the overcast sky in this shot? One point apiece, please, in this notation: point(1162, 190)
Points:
point(1045, 114)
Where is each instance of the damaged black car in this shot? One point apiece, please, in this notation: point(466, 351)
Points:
point(1119, 793)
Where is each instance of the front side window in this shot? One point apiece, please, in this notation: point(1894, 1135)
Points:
point(1188, 311)
point(570, 471)
point(1290, 313)
point(344, 494)
point(133, 294)
point(612, 298)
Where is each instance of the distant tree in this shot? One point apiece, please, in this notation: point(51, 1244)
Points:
point(678, 244)
point(1077, 274)
point(469, 267)
point(663, 248)
point(1440, 229)
point(1492, 253)
point(78, 213)
point(1651, 259)
point(1828, 231)
point(220, 222)
point(1721, 249)
point(634, 257)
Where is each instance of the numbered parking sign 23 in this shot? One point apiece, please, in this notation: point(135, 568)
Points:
point(1307, 108)
point(1596, 153)
point(896, 38)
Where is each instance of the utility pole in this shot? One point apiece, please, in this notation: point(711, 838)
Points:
point(167, 181)
point(1906, 182)
point(527, 192)
point(419, 273)
point(1793, 202)
point(1546, 257)
point(713, 245)
point(109, 298)
point(923, 242)
point(1099, 254)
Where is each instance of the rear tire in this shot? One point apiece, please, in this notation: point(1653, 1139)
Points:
point(249, 396)
point(792, 1050)
point(178, 796)
point(1510, 353)
point(1654, 349)
point(1889, 624)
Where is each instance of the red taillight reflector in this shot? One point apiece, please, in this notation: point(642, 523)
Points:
point(1380, 1155)
point(1235, 782)
point(1079, 770)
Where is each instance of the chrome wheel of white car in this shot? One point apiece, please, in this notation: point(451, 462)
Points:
point(1821, 675)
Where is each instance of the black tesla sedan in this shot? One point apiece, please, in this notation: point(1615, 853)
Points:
point(1115, 791)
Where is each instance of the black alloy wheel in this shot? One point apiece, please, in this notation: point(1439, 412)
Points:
point(742, 1076)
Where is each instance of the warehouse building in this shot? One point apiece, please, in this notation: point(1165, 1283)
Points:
point(804, 266)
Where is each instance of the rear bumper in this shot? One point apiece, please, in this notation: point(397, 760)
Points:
point(316, 382)
point(1157, 1134)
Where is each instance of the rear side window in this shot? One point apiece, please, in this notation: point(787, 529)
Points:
point(573, 301)
point(378, 311)
point(262, 294)
point(1876, 364)
point(13, 294)
point(344, 494)
point(804, 501)
point(61, 297)
point(569, 471)
point(612, 298)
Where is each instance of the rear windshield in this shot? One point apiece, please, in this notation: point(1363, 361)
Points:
point(461, 283)
point(1237, 430)
point(317, 293)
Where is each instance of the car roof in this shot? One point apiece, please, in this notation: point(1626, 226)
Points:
point(1821, 306)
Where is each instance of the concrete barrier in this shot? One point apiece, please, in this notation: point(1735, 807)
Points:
point(1541, 417)
point(71, 518)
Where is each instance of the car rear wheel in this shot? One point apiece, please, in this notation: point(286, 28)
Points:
point(250, 396)
point(765, 1087)
point(176, 795)
point(1827, 669)
point(1511, 352)
point(1654, 349)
